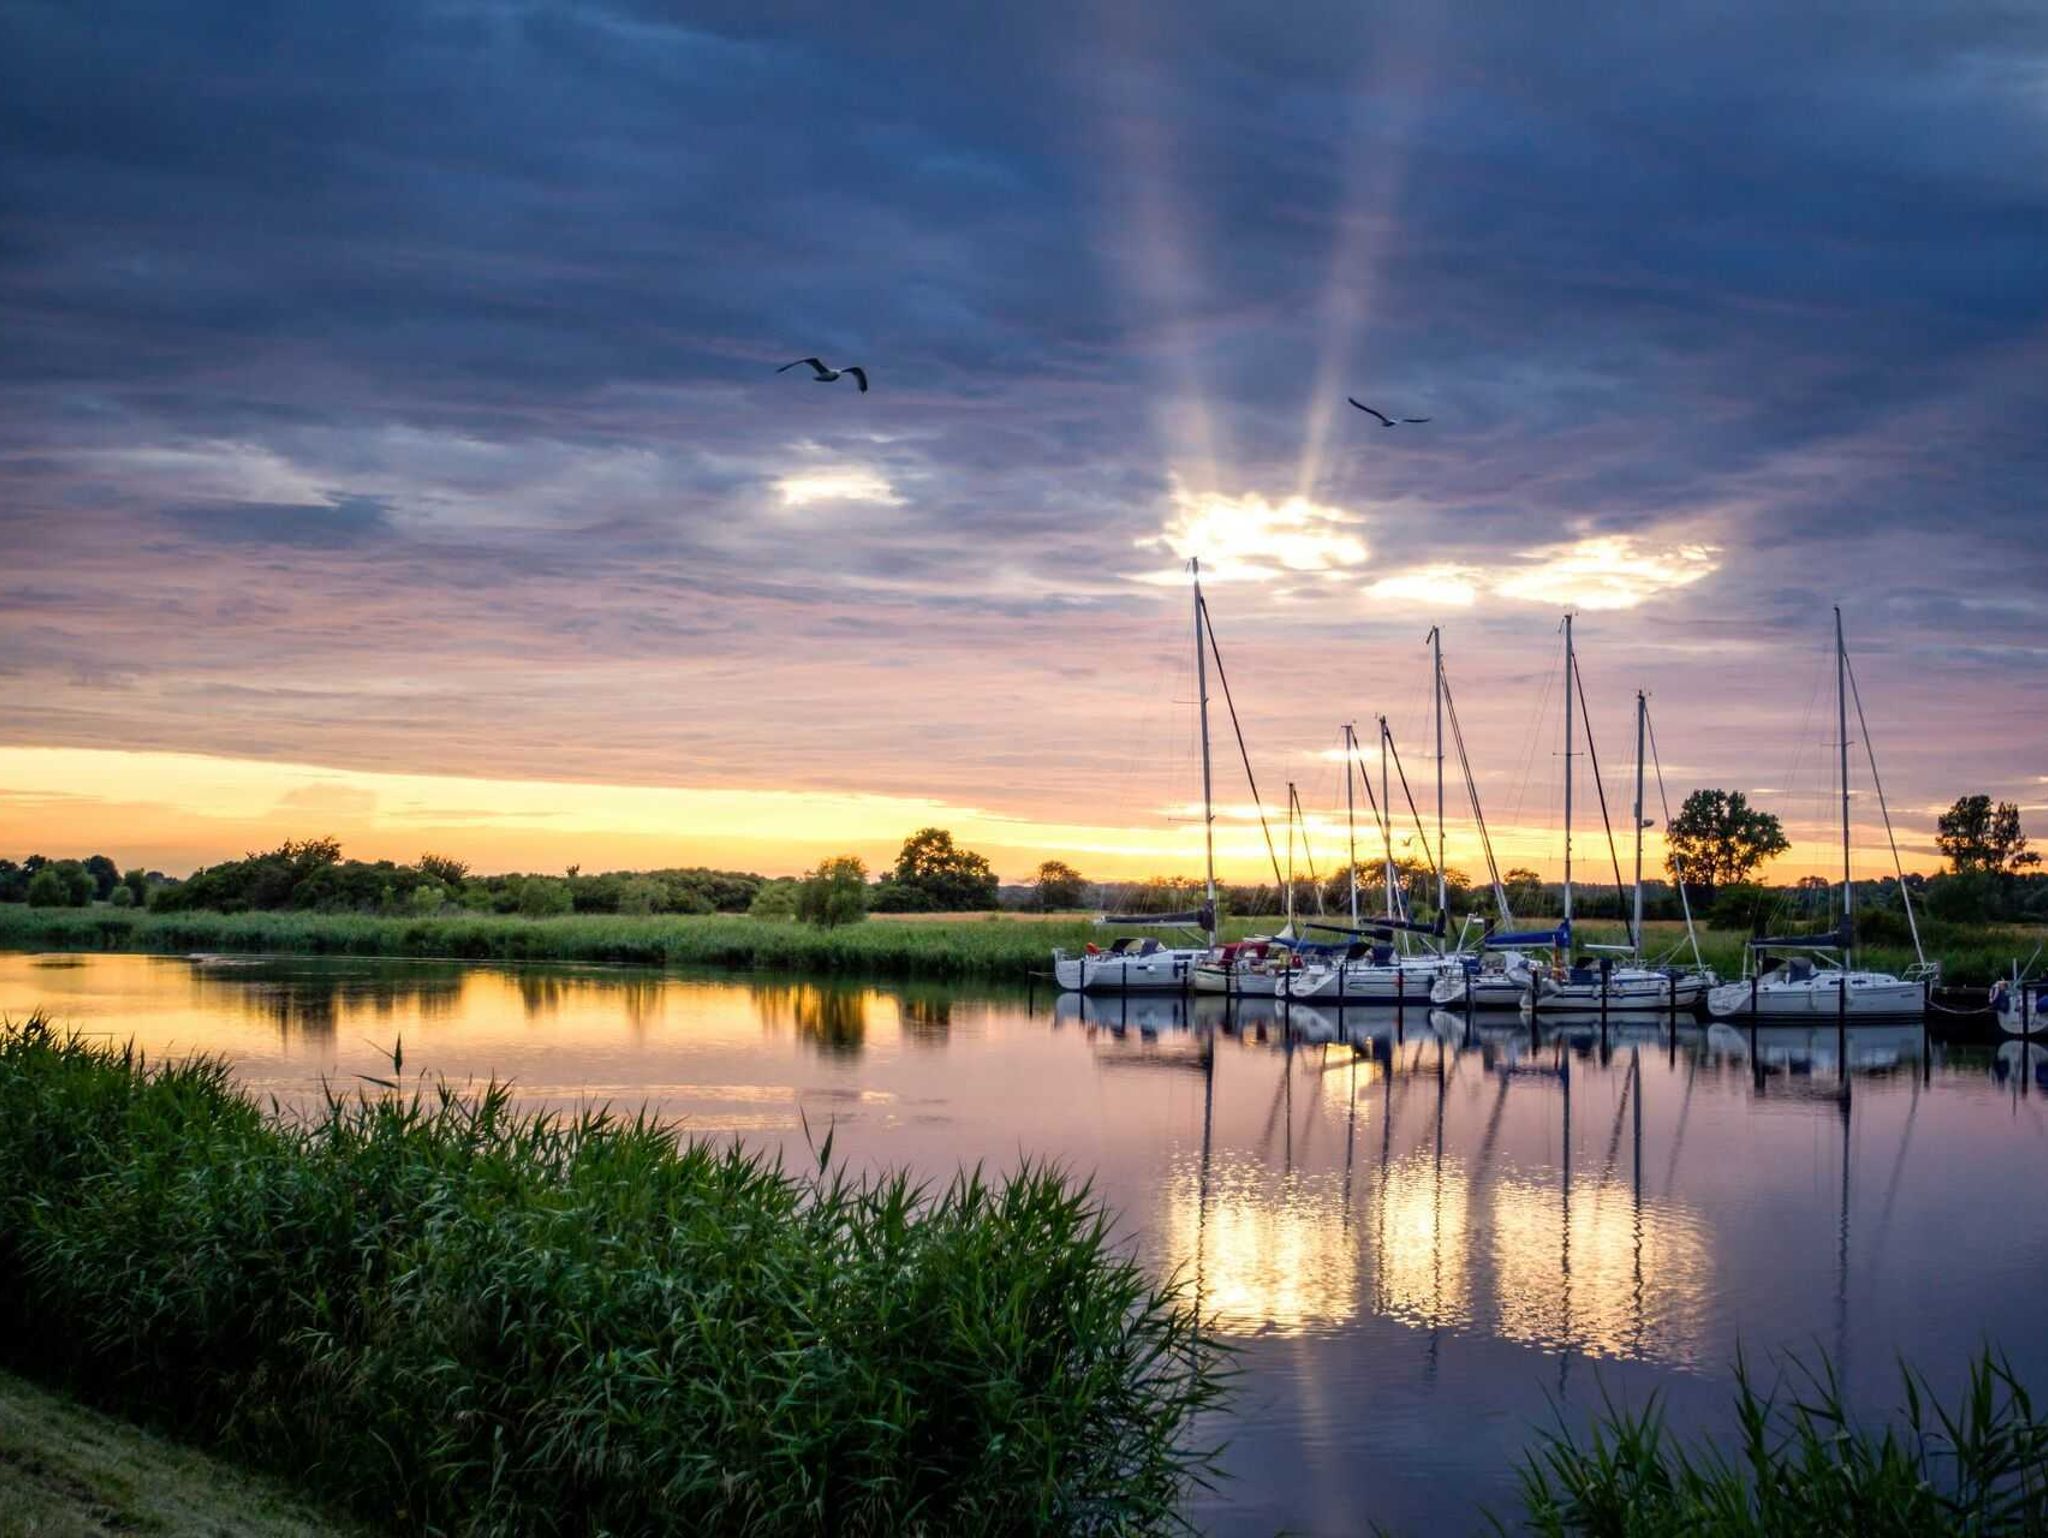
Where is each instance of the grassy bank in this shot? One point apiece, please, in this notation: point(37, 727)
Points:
point(69, 1472)
point(1005, 947)
point(448, 1316)
point(1002, 948)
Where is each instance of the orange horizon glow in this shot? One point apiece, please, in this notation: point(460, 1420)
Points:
point(177, 811)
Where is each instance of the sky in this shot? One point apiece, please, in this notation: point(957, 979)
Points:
point(391, 442)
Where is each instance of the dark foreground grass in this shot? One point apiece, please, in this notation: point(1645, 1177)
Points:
point(452, 1317)
point(1802, 1467)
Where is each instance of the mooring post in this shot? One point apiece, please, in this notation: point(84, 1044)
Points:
point(1754, 979)
point(1606, 986)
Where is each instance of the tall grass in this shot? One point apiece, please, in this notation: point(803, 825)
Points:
point(972, 948)
point(993, 947)
point(1802, 1466)
point(452, 1317)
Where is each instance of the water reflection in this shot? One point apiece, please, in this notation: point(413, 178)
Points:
point(1409, 1211)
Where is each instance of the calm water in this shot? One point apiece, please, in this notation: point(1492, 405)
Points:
point(1420, 1237)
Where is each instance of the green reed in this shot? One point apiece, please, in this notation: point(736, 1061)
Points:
point(449, 1315)
point(1800, 1465)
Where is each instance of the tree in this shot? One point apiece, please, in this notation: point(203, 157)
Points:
point(106, 875)
point(137, 882)
point(948, 878)
point(46, 889)
point(1977, 836)
point(450, 872)
point(834, 893)
point(1527, 895)
point(1058, 885)
point(1718, 838)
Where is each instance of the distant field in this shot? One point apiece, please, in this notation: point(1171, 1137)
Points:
point(1006, 947)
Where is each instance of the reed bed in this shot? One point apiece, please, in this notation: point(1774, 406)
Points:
point(1801, 1465)
point(1002, 948)
point(447, 1316)
point(1006, 948)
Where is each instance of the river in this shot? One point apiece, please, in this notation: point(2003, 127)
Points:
point(1425, 1239)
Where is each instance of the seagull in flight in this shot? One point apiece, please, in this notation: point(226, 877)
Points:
point(827, 375)
point(1385, 420)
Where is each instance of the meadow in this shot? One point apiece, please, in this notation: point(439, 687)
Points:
point(968, 947)
point(446, 1316)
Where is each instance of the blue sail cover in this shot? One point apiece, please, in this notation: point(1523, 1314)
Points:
point(1203, 918)
point(1559, 938)
point(1839, 940)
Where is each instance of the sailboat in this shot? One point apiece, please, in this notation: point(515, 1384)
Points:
point(1133, 965)
point(1369, 969)
point(1577, 983)
point(1259, 967)
point(1809, 983)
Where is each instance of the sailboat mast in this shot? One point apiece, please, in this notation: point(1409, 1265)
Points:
point(1436, 658)
point(1208, 789)
point(1642, 717)
point(1570, 671)
point(1387, 819)
point(1292, 803)
point(1350, 831)
point(1842, 723)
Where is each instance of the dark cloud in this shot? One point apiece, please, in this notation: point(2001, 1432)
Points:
point(341, 520)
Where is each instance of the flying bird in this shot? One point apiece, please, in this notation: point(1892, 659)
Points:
point(827, 375)
point(1385, 420)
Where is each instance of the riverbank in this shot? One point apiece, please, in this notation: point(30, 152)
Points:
point(991, 947)
point(70, 1472)
point(444, 1315)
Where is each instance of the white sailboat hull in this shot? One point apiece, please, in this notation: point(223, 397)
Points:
point(1164, 971)
point(1628, 988)
point(1357, 982)
point(2022, 1009)
point(1239, 982)
point(1871, 996)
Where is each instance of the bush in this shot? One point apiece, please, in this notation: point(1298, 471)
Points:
point(835, 893)
point(544, 897)
point(65, 884)
point(122, 897)
point(775, 900)
point(642, 894)
point(1739, 906)
point(456, 1318)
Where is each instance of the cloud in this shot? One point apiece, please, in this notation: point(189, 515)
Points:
point(464, 407)
point(848, 484)
point(1246, 538)
point(1443, 584)
point(1614, 571)
point(341, 520)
